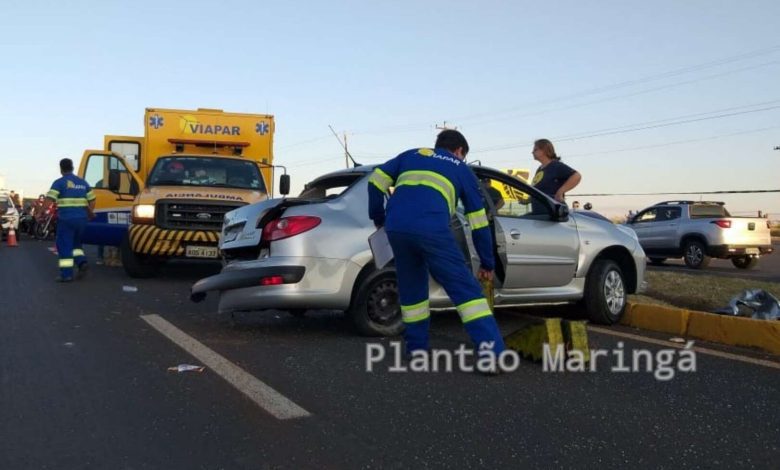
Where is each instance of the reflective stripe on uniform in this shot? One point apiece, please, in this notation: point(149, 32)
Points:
point(416, 312)
point(381, 180)
point(66, 263)
point(474, 310)
point(72, 202)
point(53, 193)
point(478, 219)
point(90, 196)
point(78, 252)
point(432, 180)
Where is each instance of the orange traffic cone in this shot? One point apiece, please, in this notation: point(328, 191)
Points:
point(12, 237)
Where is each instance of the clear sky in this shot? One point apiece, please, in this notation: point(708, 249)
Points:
point(584, 74)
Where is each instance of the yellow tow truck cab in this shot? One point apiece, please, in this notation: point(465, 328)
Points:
point(164, 195)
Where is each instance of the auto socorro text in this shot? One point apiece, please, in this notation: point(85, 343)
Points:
point(664, 364)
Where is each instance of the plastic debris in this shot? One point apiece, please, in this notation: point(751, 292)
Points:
point(186, 368)
point(129, 289)
point(758, 304)
point(68, 344)
point(677, 340)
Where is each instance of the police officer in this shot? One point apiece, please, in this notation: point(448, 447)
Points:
point(428, 183)
point(76, 203)
point(553, 177)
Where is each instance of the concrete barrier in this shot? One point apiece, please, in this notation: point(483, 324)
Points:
point(734, 331)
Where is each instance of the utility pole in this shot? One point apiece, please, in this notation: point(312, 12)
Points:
point(346, 151)
point(445, 127)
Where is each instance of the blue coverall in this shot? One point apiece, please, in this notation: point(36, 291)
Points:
point(73, 195)
point(428, 183)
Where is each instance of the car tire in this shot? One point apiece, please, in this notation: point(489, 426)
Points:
point(376, 306)
point(695, 255)
point(657, 261)
point(745, 262)
point(136, 266)
point(605, 293)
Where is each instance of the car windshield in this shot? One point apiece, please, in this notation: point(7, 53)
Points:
point(206, 171)
point(703, 211)
point(330, 187)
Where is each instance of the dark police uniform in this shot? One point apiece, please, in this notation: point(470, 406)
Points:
point(428, 184)
point(550, 178)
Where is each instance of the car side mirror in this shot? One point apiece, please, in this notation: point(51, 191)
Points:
point(114, 181)
point(561, 212)
point(284, 184)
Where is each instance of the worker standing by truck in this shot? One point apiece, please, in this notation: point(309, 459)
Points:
point(428, 183)
point(76, 203)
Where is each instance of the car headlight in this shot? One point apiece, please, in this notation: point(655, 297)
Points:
point(143, 213)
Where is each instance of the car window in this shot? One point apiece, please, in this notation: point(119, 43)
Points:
point(705, 211)
point(667, 213)
point(649, 215)
point(329, 188)
point(512, 200)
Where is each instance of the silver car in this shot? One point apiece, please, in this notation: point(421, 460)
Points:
point(312, 252)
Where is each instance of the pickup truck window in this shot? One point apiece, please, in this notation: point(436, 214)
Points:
point(205, 171)
point(649, 215)
point(708, 211)
point(668, 213)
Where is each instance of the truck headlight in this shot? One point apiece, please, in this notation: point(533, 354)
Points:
point(143, 213)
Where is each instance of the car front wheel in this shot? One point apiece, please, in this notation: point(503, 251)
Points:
point(376, 306)
point(605, 293)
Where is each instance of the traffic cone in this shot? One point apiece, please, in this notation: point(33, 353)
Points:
point(12, 237)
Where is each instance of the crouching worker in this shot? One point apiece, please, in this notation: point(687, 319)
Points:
point(428, 183)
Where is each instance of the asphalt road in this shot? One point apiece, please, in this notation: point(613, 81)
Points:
point(768, 268)
point(84, 384)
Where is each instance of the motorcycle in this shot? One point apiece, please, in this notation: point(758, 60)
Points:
point(27, 224)
point(46, 225)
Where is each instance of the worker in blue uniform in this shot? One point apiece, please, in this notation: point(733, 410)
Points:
point(428, 183)
point(75, 206)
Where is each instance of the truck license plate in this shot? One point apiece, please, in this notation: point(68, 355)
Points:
point(751, 251)
point(202, 252)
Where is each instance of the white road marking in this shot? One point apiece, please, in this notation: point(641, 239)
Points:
point(710, 352)
point(266, 397)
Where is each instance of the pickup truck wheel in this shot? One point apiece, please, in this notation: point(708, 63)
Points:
point(136, 266)
point(745, 262)
point(605, 293)
point(376, 307)
point(695, 255)
point(657, 261)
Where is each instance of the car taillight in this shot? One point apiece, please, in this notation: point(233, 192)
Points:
point(722, 223)
point(271, 281)
point(289, 227)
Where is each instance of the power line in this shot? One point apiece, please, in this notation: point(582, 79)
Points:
point(684, 193)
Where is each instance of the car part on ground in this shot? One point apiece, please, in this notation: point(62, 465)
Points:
point(762, 305)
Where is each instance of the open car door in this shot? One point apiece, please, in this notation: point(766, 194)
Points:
point(115, 186)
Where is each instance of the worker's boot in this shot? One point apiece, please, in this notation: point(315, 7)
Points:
point(83, 269)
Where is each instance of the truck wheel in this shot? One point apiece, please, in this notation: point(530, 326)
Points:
point(695, 255)
point(745, 262)
point(136, 266)
point(657, 261)
point(376, 306)
point(605, 293)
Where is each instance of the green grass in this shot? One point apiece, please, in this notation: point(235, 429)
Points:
point(697, 292)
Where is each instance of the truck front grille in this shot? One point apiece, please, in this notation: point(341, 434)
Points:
point(200, 215)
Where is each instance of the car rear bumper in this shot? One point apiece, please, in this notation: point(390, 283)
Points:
point(727, 251)
point(309, 283)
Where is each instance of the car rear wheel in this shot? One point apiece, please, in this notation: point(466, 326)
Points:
point(137, 266)
point(657, 261)
point(376, 306)
point(605, 292)
point(745, 262)
point(695, 255)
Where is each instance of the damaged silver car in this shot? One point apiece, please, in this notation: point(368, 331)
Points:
point(312, 252)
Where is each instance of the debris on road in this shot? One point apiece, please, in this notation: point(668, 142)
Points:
point(677, 340)
point(186, 368)
point(762, 305)
point(129, 289)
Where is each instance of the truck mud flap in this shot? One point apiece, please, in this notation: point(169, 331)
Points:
point(230, 280)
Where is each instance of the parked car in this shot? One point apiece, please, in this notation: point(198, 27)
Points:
point(700, 231)
point(311, 252)
point(9, 216)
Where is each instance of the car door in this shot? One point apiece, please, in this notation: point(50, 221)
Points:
point(534, 249)
point(112, 205)
point(644, 224)
point(665, 227)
